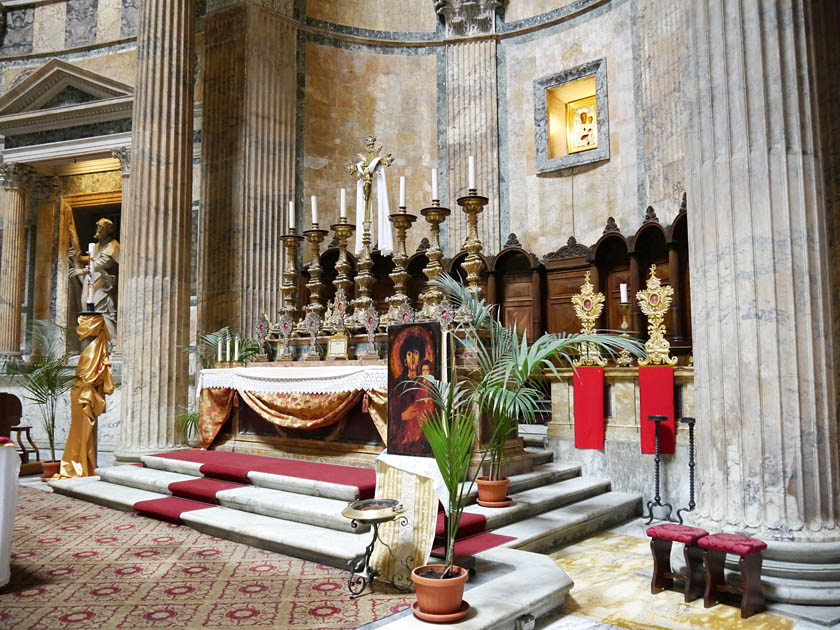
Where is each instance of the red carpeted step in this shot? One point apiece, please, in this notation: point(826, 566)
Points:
point(475, 544)
point(203, 489)
point(236, 466)
point(470, 524)
point(168, 508)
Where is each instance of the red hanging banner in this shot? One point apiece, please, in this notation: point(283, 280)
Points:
point(589, 407)
point(656, 398)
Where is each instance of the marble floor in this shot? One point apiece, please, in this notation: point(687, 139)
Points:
point(611, 572)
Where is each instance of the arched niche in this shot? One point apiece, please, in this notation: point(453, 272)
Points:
point(610, 258)
point(679, 272)
point(648, 247)
point(416, 279)
point(518, 290)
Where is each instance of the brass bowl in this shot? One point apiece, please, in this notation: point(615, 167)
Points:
point(369, 510)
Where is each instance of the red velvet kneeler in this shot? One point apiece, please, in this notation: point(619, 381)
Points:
point(656, 398)
point(589, 407)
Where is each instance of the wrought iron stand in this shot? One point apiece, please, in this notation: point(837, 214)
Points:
point(657, 499)
point(691, 504)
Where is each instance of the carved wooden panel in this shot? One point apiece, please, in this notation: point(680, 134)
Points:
point(562, 285)
point(516, 303)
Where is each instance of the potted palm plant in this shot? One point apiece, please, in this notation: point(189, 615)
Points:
point(46, 377)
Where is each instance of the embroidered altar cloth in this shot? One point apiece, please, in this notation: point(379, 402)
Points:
point(297, 380)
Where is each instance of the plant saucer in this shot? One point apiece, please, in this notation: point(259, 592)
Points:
point(495, 504)
point(447, 618)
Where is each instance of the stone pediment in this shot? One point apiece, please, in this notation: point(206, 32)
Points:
point(59, 84)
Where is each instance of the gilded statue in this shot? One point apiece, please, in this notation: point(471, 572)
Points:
point(106, 260)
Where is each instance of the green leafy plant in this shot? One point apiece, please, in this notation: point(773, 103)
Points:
point(47, 376)
point(188, 423)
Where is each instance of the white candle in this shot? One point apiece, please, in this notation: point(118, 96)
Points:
point(402, 191)
point(623, 288)
point(314, 210)
point(291, 215)
point(343, 204)
point(91, 258)
point(236, 348)
point(434, 184)
point(471, 169)
point(227, 350)
point(219, 351)
point(445, 359)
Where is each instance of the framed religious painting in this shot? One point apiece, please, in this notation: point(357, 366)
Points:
point(413, 350)
point(582, 124)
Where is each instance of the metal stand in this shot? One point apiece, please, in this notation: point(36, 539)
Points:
point(691, 504)
point(657, 499)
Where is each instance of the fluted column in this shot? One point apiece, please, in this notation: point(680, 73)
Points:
point(248, 157)
point(15, 178)
point(472, 116)
point(154, 311)
point(760, 284)
point(123, 154)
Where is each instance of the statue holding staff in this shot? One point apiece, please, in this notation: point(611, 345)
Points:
point(106, 259)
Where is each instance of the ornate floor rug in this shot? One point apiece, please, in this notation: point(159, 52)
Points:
point(79, 565)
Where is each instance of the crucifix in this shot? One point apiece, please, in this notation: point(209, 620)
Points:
point(369, 164)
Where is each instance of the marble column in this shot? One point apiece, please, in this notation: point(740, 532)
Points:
point(123, 154)
point(46, 214)
point(760, 285)
point(15, 179)
point(154, 312)
point(248, 163)
point(472, 116)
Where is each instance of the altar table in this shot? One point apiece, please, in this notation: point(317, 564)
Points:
point(305, 397)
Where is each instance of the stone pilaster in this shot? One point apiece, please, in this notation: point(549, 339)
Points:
point(46, 212)
point(760, 282)
point(15, 179)
point(154, 312)
point(248, 158)
point(123, 154)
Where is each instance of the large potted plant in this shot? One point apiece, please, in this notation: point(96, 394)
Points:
point(46, 377)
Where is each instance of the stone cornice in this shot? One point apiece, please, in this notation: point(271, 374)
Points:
point(67, 116)
point(283, 7)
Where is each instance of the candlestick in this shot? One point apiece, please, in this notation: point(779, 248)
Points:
point(289, 289)
point(471, 172)
point(399, 307)
point(402, 191)
point(623, 288)
point(435, 184)
point(342, 282)
point(291, 215)
point(432, 296)
point(343, 212)
point(624, 359)
point(314, 210)
point(312, 320)
point(472, 205)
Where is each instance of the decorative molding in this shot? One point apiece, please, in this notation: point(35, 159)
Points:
point(68, 116)
point(423, 246)
point(611, 226)
point(15, 175)
point(650, 216)
point(512, 241)
point(123, 154)
point(464, 18)
point(283, 7)
point(571, 249)
point(95, 147)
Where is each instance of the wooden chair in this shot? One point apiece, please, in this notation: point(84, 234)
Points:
point(749, 549)
point(11, 411)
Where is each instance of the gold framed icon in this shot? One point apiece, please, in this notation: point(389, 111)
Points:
point(582, 125)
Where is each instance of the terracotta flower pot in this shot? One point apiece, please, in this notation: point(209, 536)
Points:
point(436, 596)
point(492, 491)
point(49, 469)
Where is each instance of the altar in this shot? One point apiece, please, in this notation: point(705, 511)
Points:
point(326, 411)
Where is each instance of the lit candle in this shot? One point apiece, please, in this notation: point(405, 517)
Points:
point(291, 215)
point(236, 347)
point(434, 184)
point(343, 204)
point(314, 210)
point(623, 288)
point(227, 350)
point(471, 169)
point(219, 351)
point(402, 191)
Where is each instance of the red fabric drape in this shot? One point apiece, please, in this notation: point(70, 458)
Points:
point(589, 407)
point(656, 398)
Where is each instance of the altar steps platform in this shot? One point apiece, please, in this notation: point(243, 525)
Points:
point(302, 517)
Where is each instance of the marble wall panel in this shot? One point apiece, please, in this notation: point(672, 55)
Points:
point(48, 27)
point(353, 93)
point(516, 11)
point(545, 210)
point(19, 32)
point(80, 27)
point(109, 20)
point(128, 18)
point(379, 15)
point(120, 66)
point(91, 182)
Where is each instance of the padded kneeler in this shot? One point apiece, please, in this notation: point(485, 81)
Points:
point(662, 537)
point(749, 549)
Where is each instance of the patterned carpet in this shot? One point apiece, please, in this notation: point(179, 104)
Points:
point(79, 565)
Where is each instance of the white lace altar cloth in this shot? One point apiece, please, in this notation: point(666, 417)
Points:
point(297, 380)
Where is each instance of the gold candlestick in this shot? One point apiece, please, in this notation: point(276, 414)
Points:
point(364, 280)
point(473, 205)
point(312, 320)
point(402, 222)
point(432, 296)
point(654, 302)
point(624, 359)
point(289, 289)
point(588, 306)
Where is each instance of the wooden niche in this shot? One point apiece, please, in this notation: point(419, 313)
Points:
point(517, 283)
point(565, 270)
point(613, 266)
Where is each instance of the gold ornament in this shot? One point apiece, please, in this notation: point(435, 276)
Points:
point(654, 302)
point(588, 306)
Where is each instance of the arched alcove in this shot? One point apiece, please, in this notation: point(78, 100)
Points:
point(519, 290)
point(613, 264)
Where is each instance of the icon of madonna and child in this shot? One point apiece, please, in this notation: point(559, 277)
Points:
point(414, 351)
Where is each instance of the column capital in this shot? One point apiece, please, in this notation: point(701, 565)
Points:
point(468, 17)
point(15, 175)
point(46, 187)
point(123, 154)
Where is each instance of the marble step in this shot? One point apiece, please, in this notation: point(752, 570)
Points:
point(103, 493)
point(541, 455)
point(547, 531)
point(540, 476)
point(297, 485)
point(289, 506)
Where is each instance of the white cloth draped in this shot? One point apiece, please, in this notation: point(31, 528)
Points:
point(9, 469)
point(381, 225)
point(297, 380)
point(422, 466)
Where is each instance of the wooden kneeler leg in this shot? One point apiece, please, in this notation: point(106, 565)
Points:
point(752, 599)
point(661, 552)
point(695, 573)
point(715, 580)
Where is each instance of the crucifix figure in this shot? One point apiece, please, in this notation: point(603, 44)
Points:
point(364, 169)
